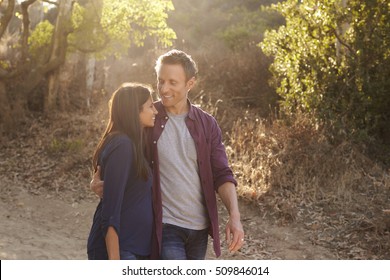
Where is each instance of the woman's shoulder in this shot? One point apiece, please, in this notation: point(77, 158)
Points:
point(118, 141)
point(120, 137)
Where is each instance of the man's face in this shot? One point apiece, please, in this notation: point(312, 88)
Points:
point(173, 88)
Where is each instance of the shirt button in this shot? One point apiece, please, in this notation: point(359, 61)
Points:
point(166, 118)
point(162, 126)
point(152, 161)
point(154, 142)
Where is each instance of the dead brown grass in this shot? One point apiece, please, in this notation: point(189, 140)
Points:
point(296, 175)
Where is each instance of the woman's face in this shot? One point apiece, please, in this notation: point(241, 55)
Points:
point(148, 113)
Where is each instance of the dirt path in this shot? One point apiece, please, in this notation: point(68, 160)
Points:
point(43, 226)
point(51, 226)
point(267, 240)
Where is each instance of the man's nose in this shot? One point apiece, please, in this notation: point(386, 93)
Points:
point(163, 88)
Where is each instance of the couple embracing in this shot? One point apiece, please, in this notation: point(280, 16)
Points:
point(158, 168)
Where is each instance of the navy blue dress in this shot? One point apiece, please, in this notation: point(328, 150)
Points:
point(126, 203)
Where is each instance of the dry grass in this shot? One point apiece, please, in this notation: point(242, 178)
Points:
point(296, 175)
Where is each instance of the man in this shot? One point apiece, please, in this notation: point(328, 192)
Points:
point(189, 166)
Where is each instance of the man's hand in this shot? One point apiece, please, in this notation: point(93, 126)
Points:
point(96, 184)
point(234, 230)
point(234, 234)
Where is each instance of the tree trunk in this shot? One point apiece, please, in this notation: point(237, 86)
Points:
point(5, 111)
point(58, 52)
point(90, 74)
point(26, 28)
point(6, 17)
point(341, 31)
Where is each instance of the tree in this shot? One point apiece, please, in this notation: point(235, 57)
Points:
point(100, 27)
point(58, 51)
point(331, 59)
point(7, 16)
point(237, 23)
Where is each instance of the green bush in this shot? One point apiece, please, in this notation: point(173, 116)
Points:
point(332, 59)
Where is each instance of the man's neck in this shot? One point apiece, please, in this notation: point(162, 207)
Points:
point(178, 109)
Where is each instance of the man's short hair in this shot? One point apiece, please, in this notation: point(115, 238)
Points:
point(178, 57)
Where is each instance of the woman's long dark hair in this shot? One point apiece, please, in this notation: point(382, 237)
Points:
point(124, 108)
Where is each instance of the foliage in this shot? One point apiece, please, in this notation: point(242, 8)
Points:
point(40, 38)
point(236, 23)
point(105, 27)
point(247, 25)
point(332, 59)
point(47, 31)
point(113, 26)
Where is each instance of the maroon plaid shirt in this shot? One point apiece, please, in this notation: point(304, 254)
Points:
point(212, 162)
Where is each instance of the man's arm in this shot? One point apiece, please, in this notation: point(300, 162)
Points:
point(234, 229)
point(96, 184)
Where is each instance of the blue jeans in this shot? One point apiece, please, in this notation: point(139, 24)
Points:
point(183, 244)
point(127, 255)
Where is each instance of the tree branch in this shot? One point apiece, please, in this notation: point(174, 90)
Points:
point(94, 49)
point(52, 65)
point(26, 27)
point(6, 18)
point(50, 2)
point(342, 42)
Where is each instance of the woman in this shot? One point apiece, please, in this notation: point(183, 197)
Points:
point(122, 224)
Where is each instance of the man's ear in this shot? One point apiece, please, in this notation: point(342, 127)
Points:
point(191, 83)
